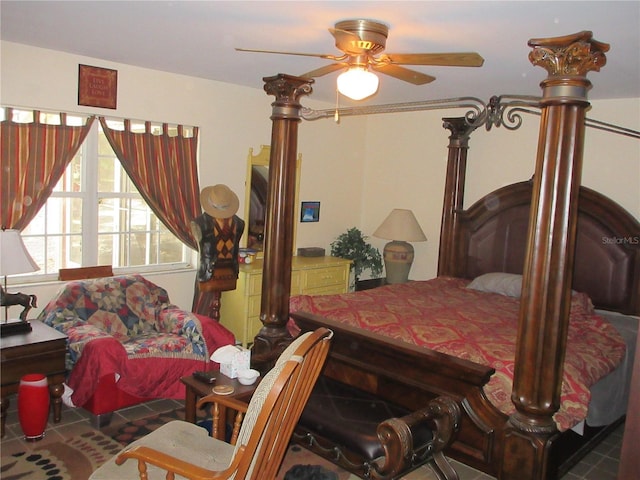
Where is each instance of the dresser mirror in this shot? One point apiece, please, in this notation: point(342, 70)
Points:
point(255, 201)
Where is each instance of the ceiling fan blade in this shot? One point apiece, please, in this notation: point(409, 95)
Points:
point(319, 72)
point(318, 55)
point(463, 59)
point(401, 73)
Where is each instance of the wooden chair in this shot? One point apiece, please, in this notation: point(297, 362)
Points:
point(185, 450)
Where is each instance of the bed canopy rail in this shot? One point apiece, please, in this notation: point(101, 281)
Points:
point(548, 263)
point(506, 111)
point(501, 110)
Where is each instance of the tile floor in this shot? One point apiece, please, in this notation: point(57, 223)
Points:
point(599, 464)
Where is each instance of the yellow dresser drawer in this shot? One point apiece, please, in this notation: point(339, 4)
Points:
point(254, 285)
point(322, 277)
point(295, 283)
point(325, 290)
point(253, 303)
point(240, 308)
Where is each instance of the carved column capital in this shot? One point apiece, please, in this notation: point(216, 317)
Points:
point(287, 89)
point(460, 130)
point(567, 60)
point(574, 55)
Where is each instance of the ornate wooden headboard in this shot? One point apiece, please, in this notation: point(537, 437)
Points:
point(492, 237)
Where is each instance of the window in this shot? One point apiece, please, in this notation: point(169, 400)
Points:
point(95, 215)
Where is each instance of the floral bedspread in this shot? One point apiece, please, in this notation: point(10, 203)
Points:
point(118, 325)
point(443, 315)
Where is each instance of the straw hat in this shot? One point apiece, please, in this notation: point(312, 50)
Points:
point(219, 201)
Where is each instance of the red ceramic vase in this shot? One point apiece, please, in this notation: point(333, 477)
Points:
point(33, 405)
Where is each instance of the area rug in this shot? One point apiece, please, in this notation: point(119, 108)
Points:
point(74, 458)
point(127, 432)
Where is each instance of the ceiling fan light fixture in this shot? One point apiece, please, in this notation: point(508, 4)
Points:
point(358, 83)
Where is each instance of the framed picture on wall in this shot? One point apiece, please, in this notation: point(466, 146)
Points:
point(97, 87)
point(310, 212)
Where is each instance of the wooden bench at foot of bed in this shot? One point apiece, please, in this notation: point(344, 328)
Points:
point(373, 438)
point(411, 377)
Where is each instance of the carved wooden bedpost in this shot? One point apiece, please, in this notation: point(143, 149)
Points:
point(276, 275)
point(546, 289)
point(453, 192)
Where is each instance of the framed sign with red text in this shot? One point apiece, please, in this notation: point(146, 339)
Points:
point(97, 87)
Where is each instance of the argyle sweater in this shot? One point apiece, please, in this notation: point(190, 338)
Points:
point(218, 243)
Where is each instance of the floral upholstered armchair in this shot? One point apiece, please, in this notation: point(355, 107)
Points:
point(125, 338)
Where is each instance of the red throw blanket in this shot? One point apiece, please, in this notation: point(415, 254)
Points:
point(443, 315)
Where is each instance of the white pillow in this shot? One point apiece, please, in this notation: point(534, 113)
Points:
point(509, 284)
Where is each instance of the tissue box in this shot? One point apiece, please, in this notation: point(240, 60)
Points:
point(232, 359)
point(240, 360)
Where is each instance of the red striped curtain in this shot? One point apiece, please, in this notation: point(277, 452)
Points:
point(164, 170)
point(33, 157)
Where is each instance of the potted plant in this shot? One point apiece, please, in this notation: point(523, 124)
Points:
point(354, 246)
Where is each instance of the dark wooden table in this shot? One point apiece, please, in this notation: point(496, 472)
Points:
point(40, 351)
point(197, 389)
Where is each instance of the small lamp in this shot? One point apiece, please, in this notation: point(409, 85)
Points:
point(14, 259)
point(401, 227)
point(358, 83)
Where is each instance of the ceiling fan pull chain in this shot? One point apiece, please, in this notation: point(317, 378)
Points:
point(336, 116)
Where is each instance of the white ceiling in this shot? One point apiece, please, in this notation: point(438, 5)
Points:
point(197, 38)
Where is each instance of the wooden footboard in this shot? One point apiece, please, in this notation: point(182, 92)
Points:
point(412, 376)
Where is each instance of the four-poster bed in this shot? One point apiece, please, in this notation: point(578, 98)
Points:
point(525, 443)
point(394, 360)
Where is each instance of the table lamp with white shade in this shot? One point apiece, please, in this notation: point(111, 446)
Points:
point(15, 259)
point(401, 227)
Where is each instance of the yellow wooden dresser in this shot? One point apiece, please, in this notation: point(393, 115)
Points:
point(240, 308)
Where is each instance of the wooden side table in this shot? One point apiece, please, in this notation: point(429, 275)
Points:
point(197, 389)
point(42, 351)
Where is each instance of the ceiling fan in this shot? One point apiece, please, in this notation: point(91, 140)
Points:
point(362, 42)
